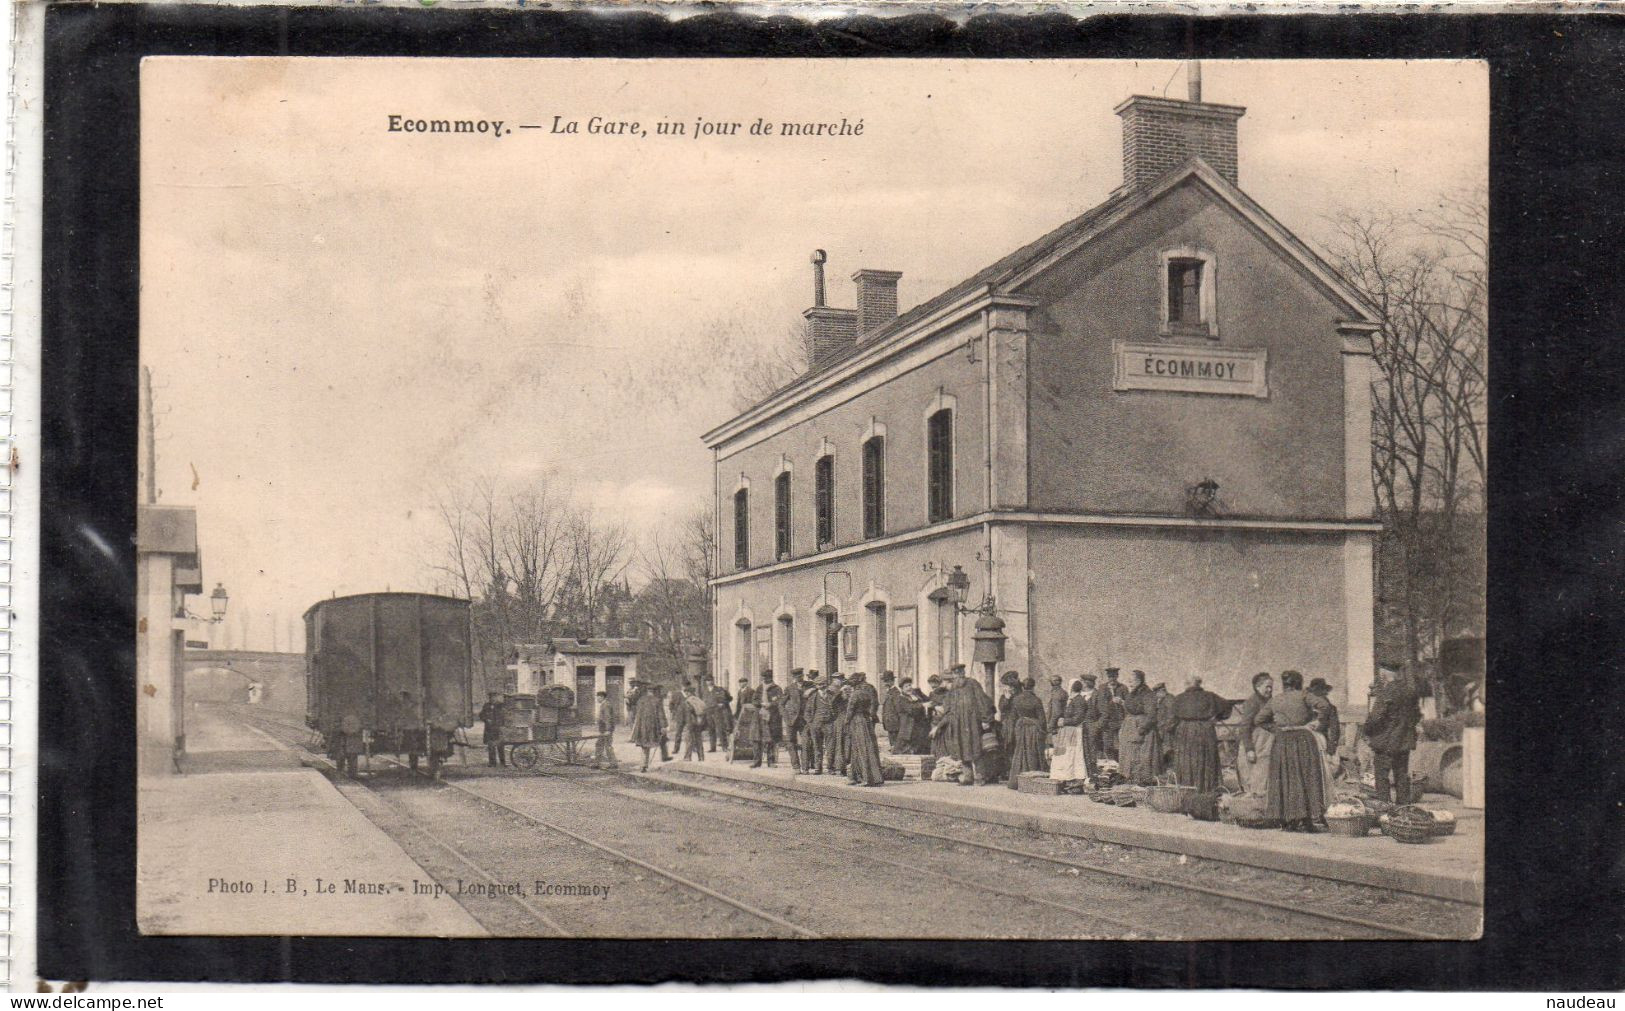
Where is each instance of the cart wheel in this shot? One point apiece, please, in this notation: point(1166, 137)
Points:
point(525, 757)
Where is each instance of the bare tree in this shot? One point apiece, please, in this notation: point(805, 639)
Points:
point(1425, 275)
point(671, 608)
point(534, 538)
point(598, 556)
point(776, 366)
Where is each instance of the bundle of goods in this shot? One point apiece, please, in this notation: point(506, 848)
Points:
point(1204, 806)
point(1075, 786)
point(519, 711)
point(891, 772)
point(1243, 809)
point(1444, 823)
point(556, 697)
point(1127, 795)
point(947, 770)
point(1110, 777)
point(1101, 796)
point(1349, 818)
point(913, 766)
point(518, 735)
point(1410, 824)
point(1039, 783)
point(1170, 799)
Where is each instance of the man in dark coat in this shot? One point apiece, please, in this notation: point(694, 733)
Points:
point(970, 712)
point(491, 716)
point(889, 715)
point(1111, 697)
point(719, 720)
point(1391, 732)
point(791, 721)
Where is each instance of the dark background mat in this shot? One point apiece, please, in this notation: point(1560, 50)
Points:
point(1555, 881)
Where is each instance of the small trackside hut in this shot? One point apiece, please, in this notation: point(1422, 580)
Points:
point(388, 673)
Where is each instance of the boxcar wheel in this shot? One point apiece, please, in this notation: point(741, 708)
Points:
point(525, 757)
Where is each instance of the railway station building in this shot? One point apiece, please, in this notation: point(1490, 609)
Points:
point(1141, 441)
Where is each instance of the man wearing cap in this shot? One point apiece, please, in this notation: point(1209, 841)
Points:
point(603, 750)
point(491, 716)
point(790, 718)
point(889, 715)
point(1112, 695)
point(820, 725)
point(1166, 723)
point(836, 757)
point(1391, 732)
point(719, 718)
point(911, 720)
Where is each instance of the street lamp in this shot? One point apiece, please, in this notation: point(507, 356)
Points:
point(958, 587)
point(217, 602)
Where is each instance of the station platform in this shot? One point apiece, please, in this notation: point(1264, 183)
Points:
point(1450, 867)
point(217, 846)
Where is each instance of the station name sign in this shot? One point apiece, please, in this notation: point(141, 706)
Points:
point(1236, 372)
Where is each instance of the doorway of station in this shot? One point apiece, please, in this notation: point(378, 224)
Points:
point(586, 688)
point(615, 688)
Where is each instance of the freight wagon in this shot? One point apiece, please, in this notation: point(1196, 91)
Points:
point(388, 673)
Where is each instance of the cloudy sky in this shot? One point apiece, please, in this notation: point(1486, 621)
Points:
point(341, 319)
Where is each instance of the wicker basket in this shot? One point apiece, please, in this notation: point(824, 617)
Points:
point(1443, 825)
point(1170, 799)
point(1355, 827)
point(1411, 825)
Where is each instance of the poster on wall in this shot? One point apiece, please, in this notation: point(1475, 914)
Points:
point(905, 642)
point(764, 650)
point(849, 642)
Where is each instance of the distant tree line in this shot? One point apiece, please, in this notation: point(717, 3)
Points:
point(539, 563)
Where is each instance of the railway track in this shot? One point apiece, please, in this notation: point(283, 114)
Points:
point(297, 736)
point(1311, 922)
point(1235, 899)
point(1329, 925)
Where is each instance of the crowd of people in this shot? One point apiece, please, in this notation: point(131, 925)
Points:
point(833, 724)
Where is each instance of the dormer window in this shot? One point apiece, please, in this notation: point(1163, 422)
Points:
point(1187, 294)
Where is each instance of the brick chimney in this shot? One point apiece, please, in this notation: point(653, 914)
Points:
point(1161, 134)
point(877, 299)
point(830, 332)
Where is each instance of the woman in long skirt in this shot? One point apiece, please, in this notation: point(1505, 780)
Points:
point(1196, 740)
point(862, 752)
point(1026, 716)
point(1296, 794)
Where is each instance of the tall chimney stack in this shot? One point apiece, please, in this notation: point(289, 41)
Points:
point(818, 258)
point(1161, 134)
point(830, 333)
point(877, 299)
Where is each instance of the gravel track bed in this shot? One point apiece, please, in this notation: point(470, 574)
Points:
point(1341, 898)
point(805, 881)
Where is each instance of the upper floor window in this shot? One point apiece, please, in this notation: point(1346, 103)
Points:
point(781, 515)
point(940, 466)
point(742, 528)
point(824, 500)
point(874, 487)
point(1187, 293)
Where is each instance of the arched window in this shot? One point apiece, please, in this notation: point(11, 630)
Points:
point(742, 528)
point(874, 487)
point(940, 466)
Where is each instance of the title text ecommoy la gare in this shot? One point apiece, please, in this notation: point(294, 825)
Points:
point(601, 126)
